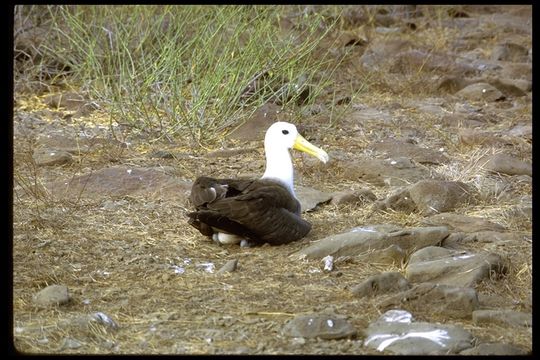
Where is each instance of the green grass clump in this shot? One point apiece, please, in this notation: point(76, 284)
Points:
point(190, 69)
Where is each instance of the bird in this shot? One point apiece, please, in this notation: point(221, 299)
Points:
point(256, 211)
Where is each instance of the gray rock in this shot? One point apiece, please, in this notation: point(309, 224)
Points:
point(119, 181)
point(309, 198)
point(365, 239)
point(452, 301)
point(226, 153)
point(511, 87)
point(379, 172)
point(486, 138)
point(380, 284)
point(353, 197)
point(52, 295)
point(229, 267)
point(255, 127)
point(393, 148)
point(399, 200)
point(411, 61)
point(434, 196)
point(71, 343)
point(457, 268)
point(494, 349)
point(322, 326)
point(51, 157)
point(502, 317)
point(506, 164)
point(509, 52)
point(517, 71)
point(495, 236)
point(462, 223)
point(480, 92)
point(417, 338)
point(392, 255)
point(75, 144)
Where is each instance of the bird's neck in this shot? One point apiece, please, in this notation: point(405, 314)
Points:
point(279, 167)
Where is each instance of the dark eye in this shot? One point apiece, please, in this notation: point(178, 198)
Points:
point(284, 132)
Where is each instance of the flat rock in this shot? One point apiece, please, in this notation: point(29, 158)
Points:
point(480, 92)
point(507, 164)
point(119, 181)
point(416, 338)
point(393, 148)
point(51, 157)
point(255, 127)
point(487, 138)
point(226, 153)
point(462, 223)
point(323, 326)
point(429, 197)
point(382, 172)
point(452, 301)
point(360, 240)
point(392, 255)
point(309, 198)
point(357, 197)
point(74, 144)
point(410, 61)
point(502, 317)
point(456, 268)
point(52, 295)
point(494, 349)
point(509, 52)
point(381, 284)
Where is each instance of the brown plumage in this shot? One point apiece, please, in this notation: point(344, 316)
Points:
point(257, 211)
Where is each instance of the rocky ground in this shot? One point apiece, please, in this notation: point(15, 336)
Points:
point(422, 220)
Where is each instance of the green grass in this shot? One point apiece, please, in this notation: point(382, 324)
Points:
point(177, 70)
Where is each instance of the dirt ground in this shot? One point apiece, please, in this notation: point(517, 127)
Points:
point(135, 258)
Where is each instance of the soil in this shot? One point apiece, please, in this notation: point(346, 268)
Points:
point(132, 255)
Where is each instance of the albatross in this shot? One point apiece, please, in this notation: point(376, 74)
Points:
point(265, 210)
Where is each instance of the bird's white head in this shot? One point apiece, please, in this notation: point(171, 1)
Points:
point(284, 135)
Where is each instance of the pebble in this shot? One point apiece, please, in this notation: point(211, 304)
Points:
point(52, 295)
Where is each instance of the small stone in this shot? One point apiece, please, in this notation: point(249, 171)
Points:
point(322, 326)
point(381, 284)
point(52, 295)
point(229, 267)
point(51, 157)
point(480, 92)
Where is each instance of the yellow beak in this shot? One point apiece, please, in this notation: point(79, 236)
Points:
point(303, 145)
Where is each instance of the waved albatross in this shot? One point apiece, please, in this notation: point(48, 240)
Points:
point(232, 211)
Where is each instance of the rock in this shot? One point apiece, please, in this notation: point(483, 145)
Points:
point(255, 127)
point(51, 157)
point(412, 61)
point(380, 172)
point(456, 268)
point(404, 338)
point(394, 148)
point(363, 239)
point(494, 349)
point(462, 223)
point(322, 326)
point(480, 92)
point(506, 164)
point(378, 52)
point(495, 236)
point(509, 52)
point(511, 87)
point(52, 295)
point(502, 317)
point(434, 196)
point(517, 71)
point(226, 153)
point(452, 301)
point(381, 284)
point(75, 145)
point(70, 101)
point(229, 267)
point(487, 138)
point(398, 200)
point(309, 198)
point(361, 196)
point(119, 181)
point(392, 255)
point(71, 343)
